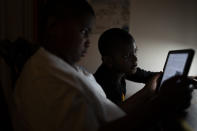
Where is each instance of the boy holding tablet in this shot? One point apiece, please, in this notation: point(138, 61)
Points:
point(54, 94)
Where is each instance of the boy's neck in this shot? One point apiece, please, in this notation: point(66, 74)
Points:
point(54, 52)
point(116, 76)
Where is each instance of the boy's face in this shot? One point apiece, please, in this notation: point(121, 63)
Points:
point(72, 37)
point(124, 59)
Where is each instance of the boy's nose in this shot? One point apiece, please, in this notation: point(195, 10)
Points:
point(87, 43)
point(134, 58)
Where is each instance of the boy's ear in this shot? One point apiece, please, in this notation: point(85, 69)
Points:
point(107, 60)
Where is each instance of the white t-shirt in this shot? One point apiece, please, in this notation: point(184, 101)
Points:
point(51, 95)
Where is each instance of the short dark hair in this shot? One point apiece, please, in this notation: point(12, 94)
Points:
point(113, 38)
point(58, 8)
point(63, 9)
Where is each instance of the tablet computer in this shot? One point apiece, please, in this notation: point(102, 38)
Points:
point(178, 62)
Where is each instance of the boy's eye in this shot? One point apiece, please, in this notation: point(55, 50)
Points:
point(129, 55)
point(126, 56)
point(84, 32)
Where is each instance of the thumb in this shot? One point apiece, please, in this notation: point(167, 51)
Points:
point(152, 84)
point(156, 77)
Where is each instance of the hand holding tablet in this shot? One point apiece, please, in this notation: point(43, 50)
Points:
point(178, 62)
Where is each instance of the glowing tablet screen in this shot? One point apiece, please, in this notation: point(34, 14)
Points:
point(174, 66)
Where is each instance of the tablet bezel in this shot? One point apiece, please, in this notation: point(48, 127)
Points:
point(190, 53)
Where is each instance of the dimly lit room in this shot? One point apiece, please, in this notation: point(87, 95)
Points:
point(49, 81)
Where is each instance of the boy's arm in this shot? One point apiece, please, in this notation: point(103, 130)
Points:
point(140, 108)
point(139, 99)
point(141, 76)
point(138, 119)
point(172, 98)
